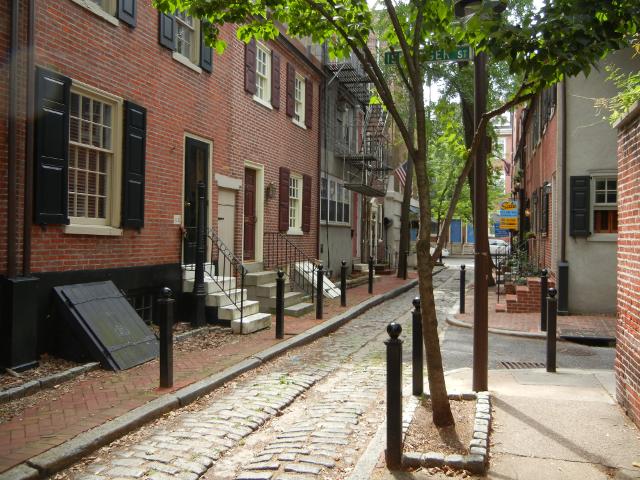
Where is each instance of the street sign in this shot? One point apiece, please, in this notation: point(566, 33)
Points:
point(391, 58)
point(461, 53)
point(509, 208)
point(509, 223)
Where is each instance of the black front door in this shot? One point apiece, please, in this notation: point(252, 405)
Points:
point(196, 160)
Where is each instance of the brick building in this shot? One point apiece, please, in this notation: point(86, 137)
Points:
point(628, 331)
point(131, 111)
point(565, 176)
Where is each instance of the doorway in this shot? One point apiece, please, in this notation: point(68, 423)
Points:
point(250, 217)
point(227, 217)
point(196, 170)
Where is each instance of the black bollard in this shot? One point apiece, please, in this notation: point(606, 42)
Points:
point(280, 305)
point(393, 454)
point(199, 289)
point(552, 317)
point(319, 293)
point(371, 269)
point(165, 316)
point(462, 287)
point(343, 284)
point(405, 273)
point(418, 383)
point(544, 285)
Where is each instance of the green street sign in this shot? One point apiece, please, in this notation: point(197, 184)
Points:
point(391, 58)
point(461, 53)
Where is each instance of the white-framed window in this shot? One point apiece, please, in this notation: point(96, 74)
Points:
point(95, 121)
point(295, 204)
point(188, 37)
point(298, 97)
point(263, 74)
point(335, 202)
point(105, 9)
point(108, 6)
point(604, 215)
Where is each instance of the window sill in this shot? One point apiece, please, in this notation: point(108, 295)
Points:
point(93, 230)
point(178, 57)
point(324, 223)
point(295, 231)
point(263, 102)
point(603, 237)
point(299, 124)
point(96, 10)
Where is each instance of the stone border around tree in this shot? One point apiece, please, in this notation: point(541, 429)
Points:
point(33, 386)
point(477, 460)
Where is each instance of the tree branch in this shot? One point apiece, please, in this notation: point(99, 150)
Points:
point(404, 46)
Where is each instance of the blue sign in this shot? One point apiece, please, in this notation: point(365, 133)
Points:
point(500, 232)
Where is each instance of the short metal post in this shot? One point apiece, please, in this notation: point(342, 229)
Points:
point(544, 285)
point(418, 383)
point(199, 289)
point(319, 292)
point(405, 273)
point(371, 268)
point(165, 316)
point(280, 304)
point(343, 284)
point(552, 312)
point(463, 273)
point(393, 454)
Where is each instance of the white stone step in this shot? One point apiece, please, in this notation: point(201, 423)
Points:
point(231, 312)
point(268, 290)
point(259, 278)
point(222, 299)
point(211, 285)
point(361, 267)
point(290, 298)
point(189, 271)
point(252, 323)
point(298, 309)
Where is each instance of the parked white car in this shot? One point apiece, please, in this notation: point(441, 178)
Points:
point(445, 252)
point(498, 247)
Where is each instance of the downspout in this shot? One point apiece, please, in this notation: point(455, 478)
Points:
point(29, 160)
point(563, 265)
point(321, 141)
point(12, 198)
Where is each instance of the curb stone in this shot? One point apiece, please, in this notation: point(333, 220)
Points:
point(478, 459)
point(61, 456)
point(33, 386)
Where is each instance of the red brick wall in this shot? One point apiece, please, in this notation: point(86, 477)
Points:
point(130, 63)
point(627, 364)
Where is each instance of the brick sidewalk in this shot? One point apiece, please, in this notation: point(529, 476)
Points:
point(598, 326)
point(101, 396)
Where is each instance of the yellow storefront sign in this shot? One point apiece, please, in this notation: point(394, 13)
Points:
point(509, 223)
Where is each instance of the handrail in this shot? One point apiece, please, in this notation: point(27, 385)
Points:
point(284, 254)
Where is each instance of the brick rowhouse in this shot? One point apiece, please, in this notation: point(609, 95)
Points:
point(627, 365)
point(128, 63)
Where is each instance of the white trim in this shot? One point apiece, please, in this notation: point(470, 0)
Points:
point(178, 57)
point(259, 241)
point(77, 229)
point(295, 231)
point(98, 11)
point(231, 183)
point(602, 237)
point(262, 102)
point(302, 113)
point(266, 98)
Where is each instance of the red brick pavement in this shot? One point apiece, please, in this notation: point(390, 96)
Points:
point(100, 396)
point(573, 325)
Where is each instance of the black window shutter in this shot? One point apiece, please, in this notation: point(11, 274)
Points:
point(306, 203)
point(135, 131)
point(250, 66)
point(275, 80)
point(206, 52)
point(127, 12)
point(579, 187)
point(283, 200)
point(51, 148)
point(308, 103)
point(545, 212)
point(291, 86)
point(167, 30)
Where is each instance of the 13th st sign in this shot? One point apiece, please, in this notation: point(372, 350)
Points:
point(460, 54)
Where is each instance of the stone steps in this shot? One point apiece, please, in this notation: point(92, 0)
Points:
point(251, 323)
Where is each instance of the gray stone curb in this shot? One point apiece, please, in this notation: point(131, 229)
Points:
point(29, 388)
point(512, 333)
point(63, 455)
point(478, 459)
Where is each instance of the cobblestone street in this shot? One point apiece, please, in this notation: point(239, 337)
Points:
point(303, 415)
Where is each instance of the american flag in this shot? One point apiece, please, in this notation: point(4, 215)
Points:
point(401, 173)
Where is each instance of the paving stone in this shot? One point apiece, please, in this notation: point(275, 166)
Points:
point(412, 460)
point(128, 462)
point(126, 472)
point(478, 451)
point(302, 468)
point(255, 476)
point(294, 476)
point(480, 435)
point(317, 460)
point(287, 457)
point(194, 467)
point(477, 442)
point(455, 461)
point(263, 466)
point(475, 463)
point(433, 459)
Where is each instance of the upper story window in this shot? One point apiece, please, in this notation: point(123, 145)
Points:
point(91, 158)
point(263, 73)
point(108, 6)
point(187, 36)
point(113, 11)
point(298, 111)
point(335, 202)
point(605, 204)
point(182, 34)
point(295, 203)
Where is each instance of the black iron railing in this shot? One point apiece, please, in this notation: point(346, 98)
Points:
point(281, 253)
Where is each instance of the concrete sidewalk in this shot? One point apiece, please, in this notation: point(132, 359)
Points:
point(563, 425)
point(103, 405)
point(589, 327)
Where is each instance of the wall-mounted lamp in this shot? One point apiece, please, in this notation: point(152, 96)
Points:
point(270, 190)
point(546, 187)
point(527, 212)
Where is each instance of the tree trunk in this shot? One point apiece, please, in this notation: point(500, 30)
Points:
point(406, 201)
